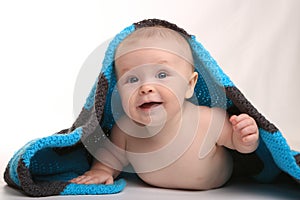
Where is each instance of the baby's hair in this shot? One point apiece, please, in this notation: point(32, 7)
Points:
point(162, 23)
point(171, 41)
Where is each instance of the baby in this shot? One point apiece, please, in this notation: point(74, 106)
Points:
point(169, 141)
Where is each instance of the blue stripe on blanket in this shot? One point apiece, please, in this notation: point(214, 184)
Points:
point(94, 189)
point(31, 148)
point(281, 152)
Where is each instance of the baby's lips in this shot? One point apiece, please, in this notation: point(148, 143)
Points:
point(149, 105)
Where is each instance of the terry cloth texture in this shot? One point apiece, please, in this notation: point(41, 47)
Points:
point(43, 166)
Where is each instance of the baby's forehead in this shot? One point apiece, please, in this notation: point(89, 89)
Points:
point(156, 38)
point(152, 61)
point(151, 56)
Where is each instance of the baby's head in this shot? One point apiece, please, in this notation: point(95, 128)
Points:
point(154, 69)
point(155, 45)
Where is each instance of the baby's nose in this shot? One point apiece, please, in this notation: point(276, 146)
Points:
point(146, 89)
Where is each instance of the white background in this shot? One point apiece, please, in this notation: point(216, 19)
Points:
point(43, 45)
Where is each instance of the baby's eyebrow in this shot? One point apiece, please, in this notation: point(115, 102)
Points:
point(162, 61)
point(121, 71)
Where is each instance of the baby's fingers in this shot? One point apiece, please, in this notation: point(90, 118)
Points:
point(74, 180)
point(244, 123)
point(248, 130)
point(100, 180)
point(250, 140)
point(81, 179)
point(109, 181)
point(235, 119)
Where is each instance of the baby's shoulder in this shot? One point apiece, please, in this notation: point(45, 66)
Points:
point(209, 110)
point(198, 108)
point(205, 112)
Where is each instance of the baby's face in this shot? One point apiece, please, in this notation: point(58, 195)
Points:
point(153, 84)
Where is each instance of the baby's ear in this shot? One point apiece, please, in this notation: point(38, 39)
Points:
point(191, 85)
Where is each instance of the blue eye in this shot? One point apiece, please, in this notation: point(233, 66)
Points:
point(133, 79)
point(161, 75)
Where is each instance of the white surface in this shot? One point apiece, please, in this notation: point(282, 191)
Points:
point(135, 189)
point(43, 45)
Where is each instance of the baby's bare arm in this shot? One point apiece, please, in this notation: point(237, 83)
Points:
point(240, 133)
point(112, 159)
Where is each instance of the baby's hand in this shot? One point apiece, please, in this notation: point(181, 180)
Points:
point(94, 177)
point(245, 133)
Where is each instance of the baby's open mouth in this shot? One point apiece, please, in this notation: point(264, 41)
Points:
point(149, 105)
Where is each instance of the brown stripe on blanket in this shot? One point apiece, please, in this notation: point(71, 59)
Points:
point(100, 97)
point(38, 189)
point(297, 157)
point(8, 180)
point(244, 106)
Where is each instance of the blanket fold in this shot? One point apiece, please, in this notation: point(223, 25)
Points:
point(43, 167)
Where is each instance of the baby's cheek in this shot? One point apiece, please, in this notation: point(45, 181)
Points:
point(177, 85)
point(127, 92)
point(128, 100)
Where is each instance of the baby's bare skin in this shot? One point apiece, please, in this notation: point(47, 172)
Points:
point(188, 171)
point(169, 141)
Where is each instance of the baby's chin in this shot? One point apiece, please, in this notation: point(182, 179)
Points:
point(156, 116)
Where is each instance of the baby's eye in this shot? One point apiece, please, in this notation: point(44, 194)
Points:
point(133, 79)
point(161, 75)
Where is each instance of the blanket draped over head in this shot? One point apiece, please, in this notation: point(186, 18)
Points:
point(42, 167)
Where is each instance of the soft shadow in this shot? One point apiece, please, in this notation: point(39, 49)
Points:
point(283, 188)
